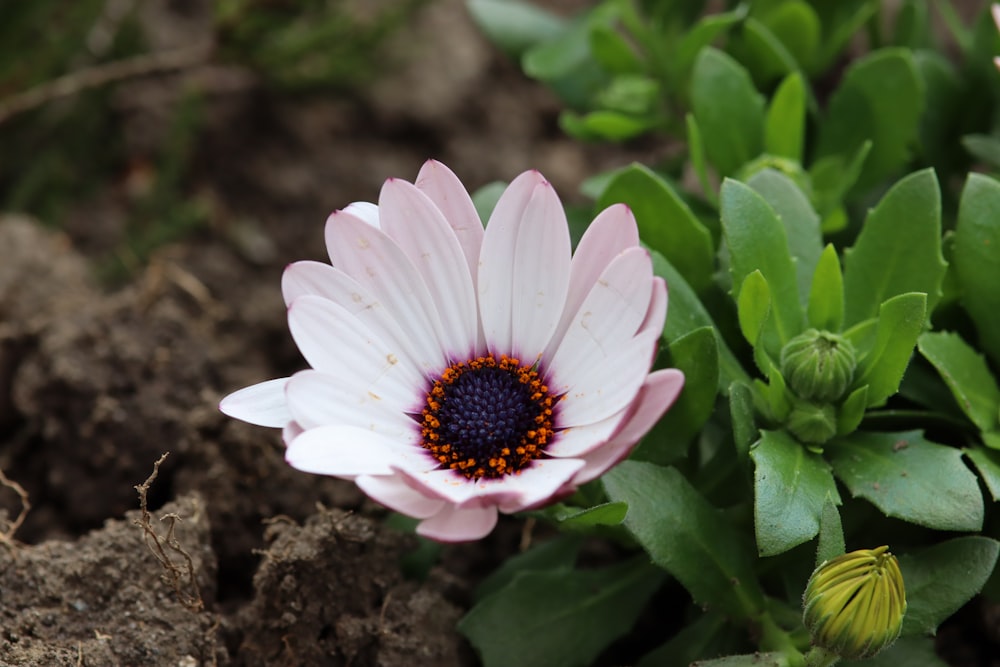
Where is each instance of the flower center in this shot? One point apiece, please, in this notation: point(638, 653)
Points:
point(487, 417)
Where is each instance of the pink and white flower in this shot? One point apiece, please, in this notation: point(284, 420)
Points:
point(457, 372)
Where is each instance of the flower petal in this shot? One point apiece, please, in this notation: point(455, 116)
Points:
point(377, 262)
point(291, 431)
point(603, 388)
point(422, 232)
point(349, 451)
point(365, 210)
point(497, 261)
point(394, 493)
point(452, 524)
point(579, 440)
point(656, 315)
point(607, 319)
point(612, 232)
point(658, 393)
point(262, 404)
point(336, 342)
point(447, 192)
point(319, 399)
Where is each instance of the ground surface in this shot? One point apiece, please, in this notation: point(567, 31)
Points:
point(243, 561)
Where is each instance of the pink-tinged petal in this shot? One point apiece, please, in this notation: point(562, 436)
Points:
point(443, 484)
point(393, 493)
point(349, 451)
point(541, 273)
point(995, 10)
point(262, 404)
point(291, 431)
point(452, 524)
point(319, 279)
point(657, 314)
point(607, 319)
point(420, 229)
point(336, 342)
point(612, 232)
point(373, 259)
point(318, 399)
point(497, 261)
point(579, 440)
point(610, 385)
point(447, 192)
point(534, 486)
point(365, 210)
point(657, 394)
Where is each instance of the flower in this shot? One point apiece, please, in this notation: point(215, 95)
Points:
point(456, 371)
point(855, 603)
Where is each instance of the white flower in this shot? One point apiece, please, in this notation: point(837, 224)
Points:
point(456, 372)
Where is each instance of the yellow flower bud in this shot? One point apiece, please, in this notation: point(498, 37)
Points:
point(855, 603)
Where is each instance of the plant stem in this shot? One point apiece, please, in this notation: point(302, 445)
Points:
point(820, 657)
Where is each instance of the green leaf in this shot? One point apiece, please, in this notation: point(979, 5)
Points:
point(805, 242)
point(514, 26)
point(604, 124)
point(832, 178)
point(785, 123)
point(840, 20)
point(559, 618)
point(880, 99)
point(698, 160)
point(605, 514)
point(898, 249)
point(976, 254)
point(900, 321)
point(666, 224)
point(984, 147)
point(941, 579)
point(831, 532)
point(686, 536)
point(796, 24)
point(729, 110)
point(741, 411)
point(909, 478)
point(756, 241)
point(906, 652)
point(709, 634)
point(987, 462)
point(485, 199)
point(826, 293)
point(749, 660)
point(613, 51)
point(687, 313)
point(791, 486)
point(557, 554)
point(753, 306)
point(696, 354)
point(967, 375)
point(852, 411)
point(758, 49)
point(693, 41)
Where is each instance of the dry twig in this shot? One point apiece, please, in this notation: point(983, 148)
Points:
point(7, 533)
point(181, 576)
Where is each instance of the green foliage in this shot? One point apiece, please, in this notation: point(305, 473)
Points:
point(977, 261)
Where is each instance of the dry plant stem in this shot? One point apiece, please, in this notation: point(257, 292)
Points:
point(182, 577)
point(7, 536)
point(100, 75)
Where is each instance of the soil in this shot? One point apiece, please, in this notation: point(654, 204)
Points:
point(241, 560)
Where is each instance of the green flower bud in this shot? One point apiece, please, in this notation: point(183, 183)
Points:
point(855, 603)
point(812, 423)
point(818, 365)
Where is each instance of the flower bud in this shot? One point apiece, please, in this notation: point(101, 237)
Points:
point(818, 365)
point(855, 603)
point(812, 423)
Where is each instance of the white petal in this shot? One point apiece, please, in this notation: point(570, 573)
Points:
point(396, 495)
point(349, 451)
point(658, 393)
point(541, 273)
point(657, 314)
point(336, 342)
point(319, 279)
point(318, 399)
point(262, 404)
point(578, 440)
point(421, 231)
point(452, 524)
point(613, 231)
point(497, 261)
point(365, 210)
point(447, 192)
point(607, 319)
point(291, 431)
point(374, 260)
point(605, 387)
